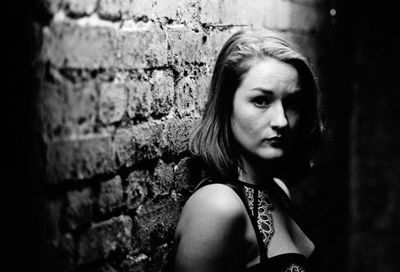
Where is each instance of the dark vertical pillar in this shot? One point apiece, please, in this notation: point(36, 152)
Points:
point(334, 152)
point(18, 184)
point(371, 43)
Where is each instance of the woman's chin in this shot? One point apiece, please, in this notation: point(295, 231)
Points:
point(272, 156)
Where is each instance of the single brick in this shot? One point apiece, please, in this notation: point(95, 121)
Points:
point(68, 44)
point(80, 7)
point(137, 189)
point(176, 134)
point(117, 9)
point(103, 238)
point(79, 158)
point(113, 101)
point(79, 209)
point(112, 9)
point(137, 143)
point(162, 89)
point(147, 140)
point(67, 107)
point(187, 46)
point(153, 9)
point(141, 46)
point(111, 195)
point(140, 99)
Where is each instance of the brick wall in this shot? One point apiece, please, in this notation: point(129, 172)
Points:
point(121, 85)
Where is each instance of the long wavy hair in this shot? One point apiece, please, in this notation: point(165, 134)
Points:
point(212, 140)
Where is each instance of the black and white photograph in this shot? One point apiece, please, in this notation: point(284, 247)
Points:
point(201, 136)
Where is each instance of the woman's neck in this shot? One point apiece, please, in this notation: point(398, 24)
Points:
point(256, 172)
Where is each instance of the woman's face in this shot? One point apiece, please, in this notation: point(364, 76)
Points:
point(266, 110)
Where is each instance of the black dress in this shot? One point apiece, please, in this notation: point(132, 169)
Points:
point(258, 206)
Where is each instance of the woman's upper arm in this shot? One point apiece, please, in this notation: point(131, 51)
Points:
point(210, 232)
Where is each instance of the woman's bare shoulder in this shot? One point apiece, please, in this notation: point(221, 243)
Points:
point(210, 229)
point(213, 201)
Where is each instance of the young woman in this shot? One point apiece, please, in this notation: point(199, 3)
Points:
point(260, 129)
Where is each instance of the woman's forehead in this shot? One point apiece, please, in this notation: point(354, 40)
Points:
point(271, 74)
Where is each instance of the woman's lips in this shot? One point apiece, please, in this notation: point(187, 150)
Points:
point(275, 140)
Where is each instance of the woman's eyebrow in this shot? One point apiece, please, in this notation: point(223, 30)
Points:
point(296, 91)
point(266, 91)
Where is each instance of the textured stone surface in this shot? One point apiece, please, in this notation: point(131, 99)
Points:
point(176, 135)
point(137, 143)
point(113, 102)
point(79, 208)
point(155, 223)
point(79, 158)
point(67, 108)
point(80, 7)
point(111, 195)
point(71, 45)
point(140, 99)
point(95, 44)
point(138, 188)
point(104, 238)
point(163, 179)
point(142, 48)
point(186, 46)
point(163, 92)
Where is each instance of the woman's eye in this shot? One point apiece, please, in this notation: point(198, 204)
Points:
point(261, 101)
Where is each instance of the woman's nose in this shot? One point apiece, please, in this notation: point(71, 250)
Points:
point(278, 116)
